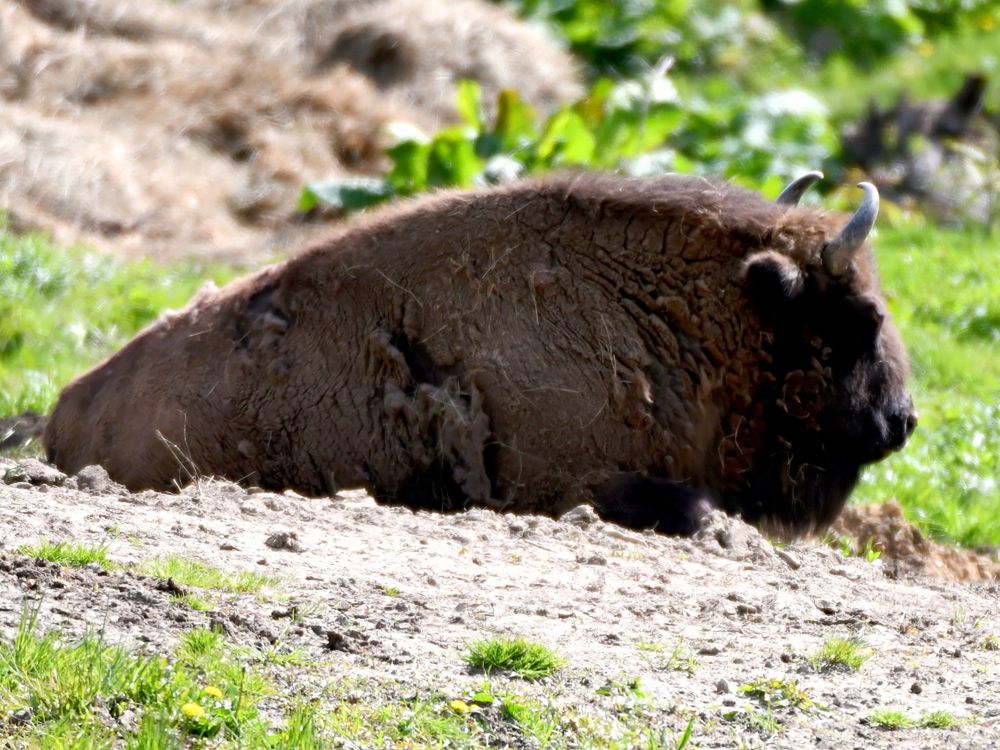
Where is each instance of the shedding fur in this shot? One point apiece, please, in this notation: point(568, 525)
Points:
point(581, 338)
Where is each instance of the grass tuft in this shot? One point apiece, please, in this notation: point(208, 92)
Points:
point(187, 572)
point(775, 694)
point(938, 720)
point(889, 719)
point(69, 554)
point(840, 653)
point(192, 602)
point(531, 661)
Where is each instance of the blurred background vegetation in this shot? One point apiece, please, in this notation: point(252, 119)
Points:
point(756, 92)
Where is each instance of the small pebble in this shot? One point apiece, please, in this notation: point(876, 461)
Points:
point(789, 559)
point(827, 607)
point(916, 688)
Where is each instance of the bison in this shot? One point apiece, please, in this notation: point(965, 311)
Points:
point(656, 347)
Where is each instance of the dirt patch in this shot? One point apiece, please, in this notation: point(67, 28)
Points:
point(906, 551)
point(386, 594)
point(188, 129)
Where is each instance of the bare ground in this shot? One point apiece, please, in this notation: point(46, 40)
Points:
point(614, 603)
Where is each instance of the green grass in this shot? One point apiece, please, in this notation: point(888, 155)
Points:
point(945, 299)
point(68, 554)
point(679, 659)
point(885, 718)
point(893, 720)
point(531, 661)
point(64, 309)
point(192, 602)
point(850, 548)
point(779, 694)
point(759, 722)
point(840, 653)
point(187, 572)
point(208, 692)
point(207, 689)
point(938, 720)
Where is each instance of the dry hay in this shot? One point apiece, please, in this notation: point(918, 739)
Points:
point(906, 551)
point(187, 130)
point(417, 51)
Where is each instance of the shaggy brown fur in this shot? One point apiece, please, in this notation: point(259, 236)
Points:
point(654, 346)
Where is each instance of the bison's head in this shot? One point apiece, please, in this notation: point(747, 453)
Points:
point(834, 394)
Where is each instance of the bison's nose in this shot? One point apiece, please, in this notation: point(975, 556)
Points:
point(901, 426)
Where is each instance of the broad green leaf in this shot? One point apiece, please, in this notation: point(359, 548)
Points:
point(452, 159)
point(515, 126)
point(409, 167)
point(567, 140)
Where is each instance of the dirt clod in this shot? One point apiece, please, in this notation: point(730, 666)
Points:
point(95, 479)
point(287, 540)
point(33, 472)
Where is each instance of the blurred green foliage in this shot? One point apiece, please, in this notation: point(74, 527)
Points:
point(866, 31)
point(745, 90)
point(712, 35)
point(626, 38)
point(641, 126)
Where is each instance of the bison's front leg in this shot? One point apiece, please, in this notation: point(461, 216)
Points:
point(644, 502)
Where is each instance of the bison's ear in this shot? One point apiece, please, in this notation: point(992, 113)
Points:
point(771, 279)
point(864, 318)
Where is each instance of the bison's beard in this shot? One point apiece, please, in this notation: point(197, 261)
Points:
point(790, 493)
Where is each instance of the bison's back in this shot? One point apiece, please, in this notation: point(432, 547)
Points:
point(516, 346)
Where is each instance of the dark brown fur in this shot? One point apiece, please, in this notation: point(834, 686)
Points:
point(654, 346)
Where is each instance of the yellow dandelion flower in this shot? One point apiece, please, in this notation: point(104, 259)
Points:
point(212, 690)
point(987, 23)
point(460, 707)
point(192, 710)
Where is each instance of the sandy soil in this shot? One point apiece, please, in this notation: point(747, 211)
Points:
point(592, 591)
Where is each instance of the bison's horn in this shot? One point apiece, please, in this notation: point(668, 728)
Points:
point(792, 194)
point(837, 255)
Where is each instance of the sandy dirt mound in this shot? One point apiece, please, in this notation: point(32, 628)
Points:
point(188, 129)
point(599, 595)
point(906, 551)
